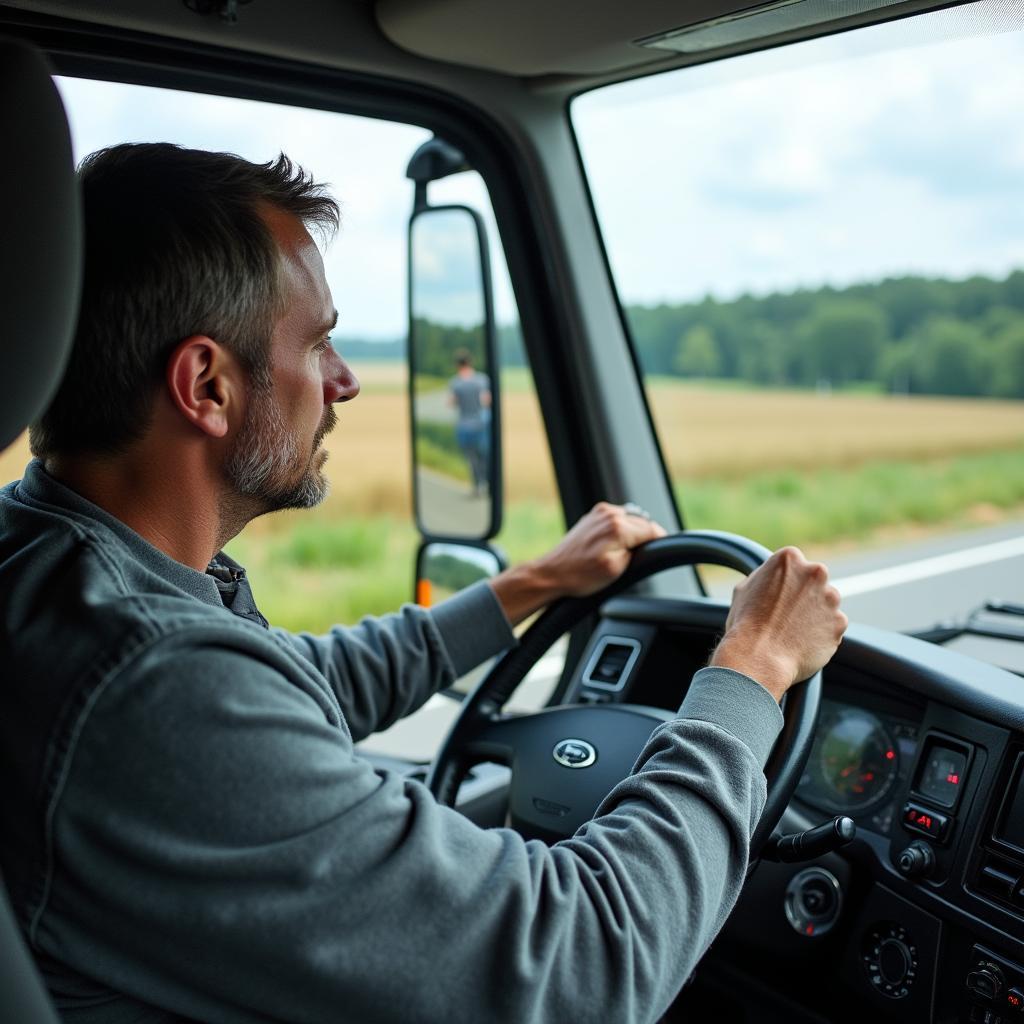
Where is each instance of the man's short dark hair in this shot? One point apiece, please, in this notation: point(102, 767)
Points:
point(174, 246)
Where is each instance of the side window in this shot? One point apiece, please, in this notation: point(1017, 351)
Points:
point(353, 555)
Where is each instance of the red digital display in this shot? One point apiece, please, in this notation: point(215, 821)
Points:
point(941, 773)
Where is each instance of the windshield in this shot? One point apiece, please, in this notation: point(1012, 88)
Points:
point(819, 250)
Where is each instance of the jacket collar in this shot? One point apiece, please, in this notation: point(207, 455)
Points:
point(39, 489)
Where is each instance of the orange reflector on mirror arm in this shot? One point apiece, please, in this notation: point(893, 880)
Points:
point(424, 593)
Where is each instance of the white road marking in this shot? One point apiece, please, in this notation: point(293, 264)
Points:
point(894, 576)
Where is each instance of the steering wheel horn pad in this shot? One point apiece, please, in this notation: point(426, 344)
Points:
point(550, 800)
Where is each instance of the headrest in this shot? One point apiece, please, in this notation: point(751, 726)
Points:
point(40, 240)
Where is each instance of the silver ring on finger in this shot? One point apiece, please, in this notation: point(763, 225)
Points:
point(631, 508)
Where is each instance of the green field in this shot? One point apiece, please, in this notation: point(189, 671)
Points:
point(320, 572)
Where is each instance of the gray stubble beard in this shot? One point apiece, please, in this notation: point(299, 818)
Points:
point(265, 455)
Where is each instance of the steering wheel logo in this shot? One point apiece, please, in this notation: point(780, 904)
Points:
point(574, 753)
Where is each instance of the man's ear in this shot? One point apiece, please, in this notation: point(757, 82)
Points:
point(203, 380)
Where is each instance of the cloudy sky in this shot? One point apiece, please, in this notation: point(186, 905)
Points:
point(834, 161)
point(837, 160)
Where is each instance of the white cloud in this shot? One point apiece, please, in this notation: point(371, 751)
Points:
point(839, 160)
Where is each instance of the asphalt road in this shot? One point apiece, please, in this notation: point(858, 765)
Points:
point(449, 506)
point(915, 586)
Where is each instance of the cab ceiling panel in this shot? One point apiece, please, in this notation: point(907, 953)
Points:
point(330, 33)
point(581, 40)
point(540, 37)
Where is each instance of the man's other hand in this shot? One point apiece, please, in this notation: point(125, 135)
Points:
point(784, 623)
point(594, 553)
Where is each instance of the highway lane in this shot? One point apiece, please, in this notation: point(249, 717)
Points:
point(913, 586)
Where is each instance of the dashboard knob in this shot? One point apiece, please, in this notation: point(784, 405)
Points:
point(890, 959)
point(985, 980)
point(894, 961)
point(916, 861)
point(813, 902)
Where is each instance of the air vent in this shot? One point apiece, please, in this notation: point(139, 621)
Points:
point(610, 664)
point(758, 23)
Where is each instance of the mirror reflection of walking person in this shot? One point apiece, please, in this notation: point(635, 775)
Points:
point(470, 394)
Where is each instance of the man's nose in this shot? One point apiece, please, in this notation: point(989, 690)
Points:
point(340, 383)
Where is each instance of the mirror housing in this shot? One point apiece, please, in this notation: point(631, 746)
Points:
point(443, 569)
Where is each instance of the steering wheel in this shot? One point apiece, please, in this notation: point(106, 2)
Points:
point(550, 797)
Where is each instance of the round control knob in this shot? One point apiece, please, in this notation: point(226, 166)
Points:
point(894, 961)
point(889, 956)
point(916, 861)
point(813, 902)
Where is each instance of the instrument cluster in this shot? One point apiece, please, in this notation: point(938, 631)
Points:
point(859, 764)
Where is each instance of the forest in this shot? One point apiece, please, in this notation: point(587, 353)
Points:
point(905, 335)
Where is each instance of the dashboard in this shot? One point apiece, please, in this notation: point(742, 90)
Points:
point(921, 917)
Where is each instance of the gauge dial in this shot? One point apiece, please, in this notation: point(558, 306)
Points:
point(854, 763)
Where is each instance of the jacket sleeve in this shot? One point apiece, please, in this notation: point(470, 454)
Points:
point(219, 851)
point(385, 668)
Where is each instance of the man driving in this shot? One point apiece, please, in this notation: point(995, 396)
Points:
point(191, 834)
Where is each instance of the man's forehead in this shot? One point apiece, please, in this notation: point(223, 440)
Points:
point(301, 261)
point(288, 231)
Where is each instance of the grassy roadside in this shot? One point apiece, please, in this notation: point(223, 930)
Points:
point(316, 570)
point(829, 506)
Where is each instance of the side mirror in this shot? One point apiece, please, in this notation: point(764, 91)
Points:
point(453, 376)
point(444, 569)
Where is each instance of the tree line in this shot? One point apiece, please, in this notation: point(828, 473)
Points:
point(908, 335)
point(911, 335)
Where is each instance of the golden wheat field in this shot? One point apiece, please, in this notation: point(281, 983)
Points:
point(707, 432)
point(737, 431)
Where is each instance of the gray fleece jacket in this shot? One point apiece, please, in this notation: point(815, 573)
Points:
point(190, 833)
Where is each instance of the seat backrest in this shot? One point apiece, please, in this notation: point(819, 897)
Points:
point(41, 254)
point(40, 278)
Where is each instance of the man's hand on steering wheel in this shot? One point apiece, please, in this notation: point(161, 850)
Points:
point(595, 552)
point(784, 624)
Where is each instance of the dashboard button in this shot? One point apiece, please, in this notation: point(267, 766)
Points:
point(984, 1015)
point(986, 981)
point(926, 821)
point(1015, 1001)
